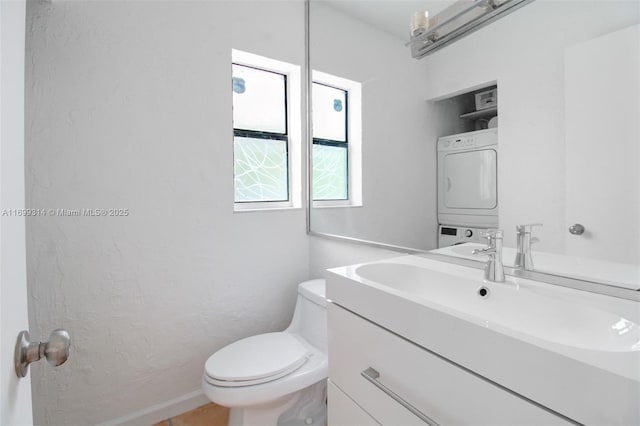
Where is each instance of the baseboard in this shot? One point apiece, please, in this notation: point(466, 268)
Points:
point(157, 413)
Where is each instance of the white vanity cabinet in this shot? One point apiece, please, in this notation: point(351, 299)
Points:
point(345, 412)
point(409, 385)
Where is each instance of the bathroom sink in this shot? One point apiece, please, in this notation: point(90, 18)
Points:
point(547, 343)
point(510, 306)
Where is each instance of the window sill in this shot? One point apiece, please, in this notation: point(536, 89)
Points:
point(333, 205)
point(263, 208)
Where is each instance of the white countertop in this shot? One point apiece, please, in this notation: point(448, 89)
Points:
point(542, 341)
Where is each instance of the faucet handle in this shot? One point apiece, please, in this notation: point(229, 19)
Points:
point(484, 252)
point(493, 270)
point(492, 234)
point(526, 228)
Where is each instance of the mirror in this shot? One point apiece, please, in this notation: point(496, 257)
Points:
point(568, 99)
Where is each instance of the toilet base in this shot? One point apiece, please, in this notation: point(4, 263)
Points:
point(311, 408)
point(306, 407)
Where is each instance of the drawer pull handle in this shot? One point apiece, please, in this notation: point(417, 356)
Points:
point(372, 375)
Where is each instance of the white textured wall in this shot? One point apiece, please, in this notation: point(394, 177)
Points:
point(129, 105)
point(398, 134)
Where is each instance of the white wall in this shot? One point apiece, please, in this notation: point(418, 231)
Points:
point(398, 143)
point(129, 106)
point(524, 52)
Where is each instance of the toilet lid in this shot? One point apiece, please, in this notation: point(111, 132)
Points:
point(256, 359)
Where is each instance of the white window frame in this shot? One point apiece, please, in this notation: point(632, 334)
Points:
point(354, 138)
point(294, 130)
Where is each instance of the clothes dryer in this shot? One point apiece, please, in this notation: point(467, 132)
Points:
point(468, 179)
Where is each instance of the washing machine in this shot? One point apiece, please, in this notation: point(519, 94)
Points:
point(449, 235)
point(468, 180)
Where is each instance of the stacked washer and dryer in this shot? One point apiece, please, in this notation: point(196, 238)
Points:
point(467, 186)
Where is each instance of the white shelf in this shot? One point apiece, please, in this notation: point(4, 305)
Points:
point(489, 112)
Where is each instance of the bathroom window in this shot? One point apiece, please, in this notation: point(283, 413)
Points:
point(336, 172)
point(330, 143)
point(266, 133)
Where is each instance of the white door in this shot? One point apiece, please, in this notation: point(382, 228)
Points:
point(602, 101)
point(15, 394)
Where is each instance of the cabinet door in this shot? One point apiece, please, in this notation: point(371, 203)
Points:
point(343, 411)
point(431, 386)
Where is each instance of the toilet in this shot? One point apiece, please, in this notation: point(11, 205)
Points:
point(276, 378)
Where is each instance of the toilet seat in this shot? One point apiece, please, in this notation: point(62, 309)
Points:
point(256, 359)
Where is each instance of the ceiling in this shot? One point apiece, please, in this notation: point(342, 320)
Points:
point(391, 16)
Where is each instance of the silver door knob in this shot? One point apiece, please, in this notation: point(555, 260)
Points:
point(56, 350)
point(576, 229)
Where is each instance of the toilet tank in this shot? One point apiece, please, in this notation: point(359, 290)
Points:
point(310, 315)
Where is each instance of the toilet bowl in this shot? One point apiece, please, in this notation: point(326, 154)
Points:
point(276, 378)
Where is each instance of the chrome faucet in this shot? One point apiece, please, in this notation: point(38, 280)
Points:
point(493, 270)
point(524, 260)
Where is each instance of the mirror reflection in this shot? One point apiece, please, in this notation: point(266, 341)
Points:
point(528, 124)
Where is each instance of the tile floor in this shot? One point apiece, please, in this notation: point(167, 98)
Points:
point(207, 415)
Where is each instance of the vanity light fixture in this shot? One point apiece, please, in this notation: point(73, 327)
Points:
point(456, 21)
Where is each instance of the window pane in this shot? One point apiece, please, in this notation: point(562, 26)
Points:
point(329, 113)
point(330, 181)
point(258, 100)
point(260, 169)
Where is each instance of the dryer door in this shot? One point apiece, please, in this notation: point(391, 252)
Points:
point(470, 180)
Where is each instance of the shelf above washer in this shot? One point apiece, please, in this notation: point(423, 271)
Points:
point(489, 112)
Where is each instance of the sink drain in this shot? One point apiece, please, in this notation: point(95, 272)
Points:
point(483, 291)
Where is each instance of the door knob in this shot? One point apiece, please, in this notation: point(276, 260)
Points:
point(576, 229)
point(56, 350)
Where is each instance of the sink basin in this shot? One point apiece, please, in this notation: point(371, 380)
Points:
point(510, 306)
point(574, 352)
